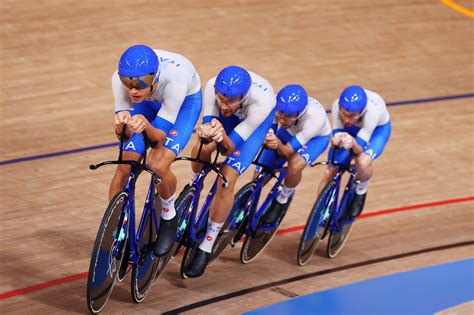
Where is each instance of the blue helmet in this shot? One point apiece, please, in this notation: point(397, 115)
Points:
point(353, 99)
point(138, 61)
point(292, 99)
point(233, 81)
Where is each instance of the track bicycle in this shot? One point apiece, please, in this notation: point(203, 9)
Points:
point(329, 214)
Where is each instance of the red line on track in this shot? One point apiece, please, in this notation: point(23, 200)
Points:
point(83, 275)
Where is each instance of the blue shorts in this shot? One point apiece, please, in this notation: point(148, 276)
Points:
point(245, 153)
point(177, 135)
point(309, 152)
point(373, 148)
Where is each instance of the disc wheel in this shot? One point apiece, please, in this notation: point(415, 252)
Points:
point(316, 225)
point(338, 238)
point(234, 221)
point(143, 273)
point(256, 242)
point(107, 254)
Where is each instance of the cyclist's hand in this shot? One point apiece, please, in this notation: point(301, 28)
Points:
point(347, 141)
point(120, 119)
point(217, 130)
point(271, 140)
point(203, 131)
point(337, 139)
point(137, 123)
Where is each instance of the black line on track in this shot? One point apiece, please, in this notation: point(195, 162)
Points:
point(312, 275)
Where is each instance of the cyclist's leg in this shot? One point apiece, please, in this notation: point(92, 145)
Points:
point(299, 160)
point(364, 166)
point(121, 173)
point(160, 160)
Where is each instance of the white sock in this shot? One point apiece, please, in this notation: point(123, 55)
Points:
point(193, 177)
point(362, 188)
point(167, 208)
point(285, 193)
point(213, 229)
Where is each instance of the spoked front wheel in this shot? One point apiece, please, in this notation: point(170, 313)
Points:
point(108, 253)
point(143, 273)
point(256, 242)
point(317, 223)
point(235, 220)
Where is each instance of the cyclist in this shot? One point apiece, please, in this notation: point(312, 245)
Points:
point(159, 93)
point(304, 134)
point(362, 126)
point(239, 107)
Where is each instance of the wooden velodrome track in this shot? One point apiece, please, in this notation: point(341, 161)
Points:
point(56, 61)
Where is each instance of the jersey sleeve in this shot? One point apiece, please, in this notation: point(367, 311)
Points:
point(122, 101)
point(369, 124)
point(210, 108)
point(310, 130)
point(255, 118)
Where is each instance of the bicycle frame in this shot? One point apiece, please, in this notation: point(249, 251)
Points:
point(130, 209)
point(128, 215)
point(255, 214)
point(333, 198)
point(195, 220)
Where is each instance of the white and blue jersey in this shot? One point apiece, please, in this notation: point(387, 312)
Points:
point(309, 136)
point(174, 107)
point(248, 127)
point(371, 132)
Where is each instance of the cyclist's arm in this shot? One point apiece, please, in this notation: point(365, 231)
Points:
point(284, 150)
point(227, 144)
point(246, 127)
point(122, 104)
point(155, 134)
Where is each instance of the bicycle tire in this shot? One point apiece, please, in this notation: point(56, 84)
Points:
point(316, 225)
point(337, 239)
point(234, 221)
point(124, 266)
point(104, 267)
point(144, 272)
point(255, 244)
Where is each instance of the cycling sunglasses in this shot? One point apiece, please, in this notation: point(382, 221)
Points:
point(138, 82)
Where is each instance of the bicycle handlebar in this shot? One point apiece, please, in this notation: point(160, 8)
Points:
point(267, 169)
point(330, 162)
point(141, 167)
point(212, 166)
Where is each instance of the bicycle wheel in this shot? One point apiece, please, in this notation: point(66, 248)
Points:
point(338, 238)
point(143, 273)
point(316, 225)
point(255, 244)
point(183, 206)
point(107, 254)
point(124, 266)
point(234, 221)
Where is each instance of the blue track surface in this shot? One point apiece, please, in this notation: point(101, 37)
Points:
point(422, 291)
